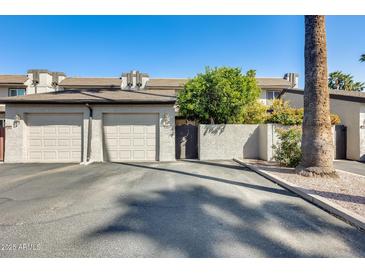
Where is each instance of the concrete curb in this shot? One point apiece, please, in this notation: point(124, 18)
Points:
point(348, 172)
point(340, 212)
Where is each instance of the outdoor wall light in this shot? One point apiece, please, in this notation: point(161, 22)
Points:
point(17, 119)
point(166, 120)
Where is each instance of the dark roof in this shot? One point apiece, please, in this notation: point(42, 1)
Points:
point(91, 82)
point(13, 79)
point(353, 96)
point(95, 97)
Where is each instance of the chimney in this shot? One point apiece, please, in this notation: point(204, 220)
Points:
point(43, 80)
point(134, 80)
point(293, 78)
point(57, 77)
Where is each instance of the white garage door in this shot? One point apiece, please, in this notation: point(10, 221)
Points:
point(54, 137)
point(130, 137)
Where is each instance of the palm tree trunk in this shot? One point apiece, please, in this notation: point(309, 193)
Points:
point(317, 142)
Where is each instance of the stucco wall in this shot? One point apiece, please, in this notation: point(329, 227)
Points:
point(295, 100)
point(4, 91)
point(362, 134)
point(349, 113)
point(224, 142)
point(228, 141)
point(16, 137)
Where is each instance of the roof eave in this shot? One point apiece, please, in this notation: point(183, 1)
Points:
point(78, 102)
point(349, 98)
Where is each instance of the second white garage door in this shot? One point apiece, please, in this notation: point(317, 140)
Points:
point(130, 137)
point(54, 137)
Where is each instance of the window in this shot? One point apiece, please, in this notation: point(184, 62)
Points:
point(2, 123)
point(271, 95)
point(16, 91)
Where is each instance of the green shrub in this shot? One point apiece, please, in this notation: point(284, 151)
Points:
point(255, 113)
point(282, 113)
point(288, 152)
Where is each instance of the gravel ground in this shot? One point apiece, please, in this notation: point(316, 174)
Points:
point(348, 190)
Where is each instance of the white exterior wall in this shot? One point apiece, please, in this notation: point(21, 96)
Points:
point(165, 138)
point(16, 137)
point(44, 85)
point(362, 133)
point(4, 91)
point(295, 100)
point(349, 113)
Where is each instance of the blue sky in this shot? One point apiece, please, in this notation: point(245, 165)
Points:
point(172, 46)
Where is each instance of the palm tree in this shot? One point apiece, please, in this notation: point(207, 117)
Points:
point(362, 58)
point(343, 81)
point(317, 144)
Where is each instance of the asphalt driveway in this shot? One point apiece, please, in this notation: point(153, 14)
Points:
point(181, 209)
point(350, 166)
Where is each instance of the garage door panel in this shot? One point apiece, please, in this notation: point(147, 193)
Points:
point(139, 155)
point(125, 129)
point(35, 155)
point(135, 135)
point(125, 155)
point(50, 143)
point(54, 137)
point(138, 141)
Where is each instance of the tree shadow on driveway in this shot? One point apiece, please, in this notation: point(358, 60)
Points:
point(197, 222)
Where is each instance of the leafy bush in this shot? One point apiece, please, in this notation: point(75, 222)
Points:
point(218, 95)
point(255, 113)
point(335, 119)
point(282, 113)
point(288, 151)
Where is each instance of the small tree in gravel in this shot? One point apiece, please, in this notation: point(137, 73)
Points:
point(288, 152)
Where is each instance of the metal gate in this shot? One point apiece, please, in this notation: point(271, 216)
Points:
point(340, 141)
point(2, 143)
point(186, 145)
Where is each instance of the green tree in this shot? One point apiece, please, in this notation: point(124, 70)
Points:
point(362, 58)
point(343, 81)
point(218, 95)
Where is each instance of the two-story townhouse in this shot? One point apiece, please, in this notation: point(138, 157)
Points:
point(53, 118)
